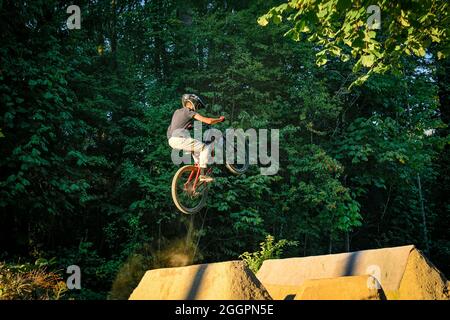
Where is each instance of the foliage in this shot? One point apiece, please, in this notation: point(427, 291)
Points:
point(344, 29)
point(268, 250)
point(30, 282)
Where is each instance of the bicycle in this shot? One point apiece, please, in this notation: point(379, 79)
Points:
point(188, 193)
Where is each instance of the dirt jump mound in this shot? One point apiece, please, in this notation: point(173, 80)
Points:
point(395, 273)
point(390, 273)
point(214, 281)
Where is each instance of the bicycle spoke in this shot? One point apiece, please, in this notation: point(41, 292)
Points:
point(188, 196)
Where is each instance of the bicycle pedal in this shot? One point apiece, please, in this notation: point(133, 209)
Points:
point(206, 179)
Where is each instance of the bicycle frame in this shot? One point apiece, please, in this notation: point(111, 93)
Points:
point(187, 178)
point(197, 171)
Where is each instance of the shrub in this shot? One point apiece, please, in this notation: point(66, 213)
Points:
point(269, 250)
point(29, 282)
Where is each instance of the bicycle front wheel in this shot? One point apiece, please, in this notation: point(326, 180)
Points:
point(187, 198)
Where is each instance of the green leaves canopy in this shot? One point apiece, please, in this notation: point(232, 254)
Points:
point(341, 29)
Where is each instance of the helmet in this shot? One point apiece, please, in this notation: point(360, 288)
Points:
point(196, 101)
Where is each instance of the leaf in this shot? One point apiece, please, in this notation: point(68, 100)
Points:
point(359, 81)
point(335, 51)
point(322, 13)
point(403, 21)
point(293, 34)
point(48, 95)
point(283, 7)
point(277, 19)
point(421, 52)
point(262, 21)
point(302, 27)
point(367, 60)
point(345, 57)
point(321, 60)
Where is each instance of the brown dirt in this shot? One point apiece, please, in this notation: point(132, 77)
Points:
point(422, 280)
point(214, 281)
point(341, 288)
point(283, 292)
point(402, 273)
point(389, 264)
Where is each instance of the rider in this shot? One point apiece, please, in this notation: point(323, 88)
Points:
point(180, 139)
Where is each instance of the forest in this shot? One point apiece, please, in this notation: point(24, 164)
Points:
point(86, 169)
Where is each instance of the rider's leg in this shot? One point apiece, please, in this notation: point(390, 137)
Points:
point(186, 144)
point(200, 152)
point(205, 155)
point(203, 158)
point(196, 156)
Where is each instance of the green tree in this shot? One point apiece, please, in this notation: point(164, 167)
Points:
point(342, 29)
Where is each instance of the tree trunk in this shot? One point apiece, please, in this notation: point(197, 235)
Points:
point(424, 220)
point(330, 244)
point(114, 33)
point(442, 73)
point(347, 241)
point(160, 59)
point(304, 245)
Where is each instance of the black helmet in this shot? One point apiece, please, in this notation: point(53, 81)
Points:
point(196, 101)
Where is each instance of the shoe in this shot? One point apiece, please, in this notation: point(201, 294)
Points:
point(207, 179)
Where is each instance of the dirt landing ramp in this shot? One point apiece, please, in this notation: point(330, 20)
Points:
point(422, 280)
point(342, 288)
point(214, 281)
point(403, 273)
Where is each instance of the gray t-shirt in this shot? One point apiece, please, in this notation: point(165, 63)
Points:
point(182, 119)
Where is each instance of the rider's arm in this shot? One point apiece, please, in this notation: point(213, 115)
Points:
point(208, 120)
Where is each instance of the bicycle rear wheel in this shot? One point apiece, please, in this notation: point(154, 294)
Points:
point(187, 199)
point(239, 166)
